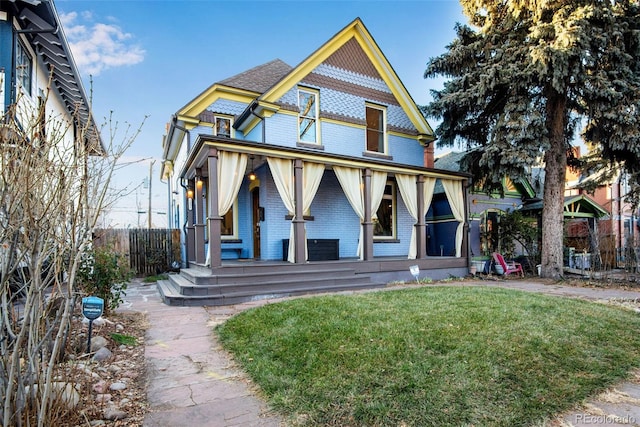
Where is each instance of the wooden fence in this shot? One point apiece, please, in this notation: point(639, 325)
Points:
point(150, 251)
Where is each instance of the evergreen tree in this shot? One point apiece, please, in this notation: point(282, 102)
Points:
point(523, 76)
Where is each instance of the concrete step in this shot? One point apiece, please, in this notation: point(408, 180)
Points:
point(267, 284)
point(253, 275)
point(172, 296)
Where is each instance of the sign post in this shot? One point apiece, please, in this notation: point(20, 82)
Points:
point(92, 308)
point(415, 272)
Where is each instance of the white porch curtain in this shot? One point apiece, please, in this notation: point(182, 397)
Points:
point(282, 173)
point(311, 177)
point(453, 190)
point(231, 167)
point(283, 176)
point(409, 193)
point(351, 182)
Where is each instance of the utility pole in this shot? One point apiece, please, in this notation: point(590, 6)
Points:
point(150, 180)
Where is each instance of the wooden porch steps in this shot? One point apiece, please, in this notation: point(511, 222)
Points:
point(197, 287)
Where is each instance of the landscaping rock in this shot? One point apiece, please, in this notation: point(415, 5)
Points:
point(101, 355)
point(118, 386)
point(98, 342)
point(113, 414)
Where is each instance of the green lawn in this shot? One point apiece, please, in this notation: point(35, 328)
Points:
point(432, 356)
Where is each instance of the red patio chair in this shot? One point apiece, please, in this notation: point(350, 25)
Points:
point(508, 266)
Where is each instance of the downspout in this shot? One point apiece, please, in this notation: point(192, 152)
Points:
point(264, 124)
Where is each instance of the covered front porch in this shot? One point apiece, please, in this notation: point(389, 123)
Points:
point(255, 213)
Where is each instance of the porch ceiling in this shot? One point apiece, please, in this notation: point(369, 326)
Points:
point(205, 143)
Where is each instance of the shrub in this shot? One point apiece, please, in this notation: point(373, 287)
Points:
point(105, 273)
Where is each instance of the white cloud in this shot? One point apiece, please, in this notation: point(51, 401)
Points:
point(98, 46)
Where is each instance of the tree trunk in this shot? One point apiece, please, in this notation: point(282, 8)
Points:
point(556, 170)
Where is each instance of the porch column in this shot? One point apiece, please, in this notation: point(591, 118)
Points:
point(198, 205)
point(190, 230)
point(421, 226)
point(214, 219)
point(466, 242)
point(367, 224)
point(298, 221)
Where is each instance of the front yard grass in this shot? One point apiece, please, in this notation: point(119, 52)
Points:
point(434, 356)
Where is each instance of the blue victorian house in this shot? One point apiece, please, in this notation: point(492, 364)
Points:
point(312, 178)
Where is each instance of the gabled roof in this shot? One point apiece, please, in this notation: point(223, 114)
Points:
point(268, 82)
point(358, 32)
point(451, 162)
point(41, 26)
point(578, 206)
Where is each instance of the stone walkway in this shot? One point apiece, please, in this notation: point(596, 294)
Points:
point(193, 382)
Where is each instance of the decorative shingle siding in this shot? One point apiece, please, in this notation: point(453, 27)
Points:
point(222, 106)
point(342, 104)
point(351, 57)
point(344, 93)
point(381, 97)
point(397, 118)
point(290, 98)
point(345, 75)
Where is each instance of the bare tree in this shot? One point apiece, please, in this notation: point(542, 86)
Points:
point(54, 183)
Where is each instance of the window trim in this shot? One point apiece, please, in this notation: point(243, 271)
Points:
point(394, 216)
point(316, 117)
point(234, 234)
point(21, 54)
point(383, 130)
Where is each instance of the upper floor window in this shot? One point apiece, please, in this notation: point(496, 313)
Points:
point(307, 116)
point(384, 225)
point(23, 68)
point(375, 129)
point(223, 126)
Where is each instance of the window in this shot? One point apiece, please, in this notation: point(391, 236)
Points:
point(23, 68)
point(226, 225)
point(375, 129)
point(489, 232)
point(307, 116)
point(223, 126)
point(384, 220)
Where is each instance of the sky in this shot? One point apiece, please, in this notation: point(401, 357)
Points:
point(142, 61)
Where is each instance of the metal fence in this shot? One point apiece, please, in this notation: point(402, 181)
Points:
point(150, 251)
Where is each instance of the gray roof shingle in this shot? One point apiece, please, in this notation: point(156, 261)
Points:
point(259, 79)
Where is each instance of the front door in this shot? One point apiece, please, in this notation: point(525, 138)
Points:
point(255, 202)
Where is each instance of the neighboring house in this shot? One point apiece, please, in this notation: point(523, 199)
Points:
point(583, 215)
point(618, 230)
point(35, 57)
point(42, 100)
point(315, 164)
point(485, 210)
